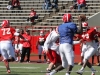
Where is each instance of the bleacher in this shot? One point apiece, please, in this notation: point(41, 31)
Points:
point(46, 18)
point(26, 5)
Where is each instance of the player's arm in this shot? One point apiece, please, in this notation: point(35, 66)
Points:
point(47, 42)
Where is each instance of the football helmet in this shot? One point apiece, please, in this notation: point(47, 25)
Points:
point(41, 33)
point(5, 23)
point(85, 26)
point(67, 18)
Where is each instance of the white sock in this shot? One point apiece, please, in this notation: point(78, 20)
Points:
point(67, 74)
point(82, 69)
point(53, 72)
point(20, 58)
point(17, 58)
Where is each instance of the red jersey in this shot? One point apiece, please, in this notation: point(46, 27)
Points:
point(33, 13)
point(81, 1)
point(27, 43)
point(16, 40)
point(41, 40)
point(7, 33)
point(89, 35)
point(15, 2)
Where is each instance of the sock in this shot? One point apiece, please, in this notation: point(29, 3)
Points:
point(17, 58)
point(82, 68)
point(53, 72)
point(6, 64)
point(67, 74)
point(92, 69)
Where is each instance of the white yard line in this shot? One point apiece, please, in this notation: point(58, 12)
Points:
point(22, 67)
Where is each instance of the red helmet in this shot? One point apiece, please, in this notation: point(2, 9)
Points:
point(5, 23)
point(67, 18)
point(84, 24)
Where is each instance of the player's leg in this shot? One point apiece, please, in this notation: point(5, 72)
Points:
point(11, 52)
point(39, 53)
point(89, 53)
point(50, 57)
point(55, 59)
point(68, 50)
point(28, 54)
point(23, 54)
point(64, 62)
point(44, 54)
point(97, 56)
point(16, 51)
point(83, 50)
point(5, 57)
point(20, 48)
point(93, 60)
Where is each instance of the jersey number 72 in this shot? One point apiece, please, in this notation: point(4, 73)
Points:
point(6, 31)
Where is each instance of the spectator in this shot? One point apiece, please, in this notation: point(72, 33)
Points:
point(55, 4)
point(16, 4)
point(32, 16)
point(9, 6)
point(39, 46)
point(79, 4)
point(47, 5)
point(74, 1)
point(26, 46)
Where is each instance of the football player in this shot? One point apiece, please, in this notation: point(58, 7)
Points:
point(39, 45)
point(66, 33)
point(88, 49)
point(18, 43)
point(51, 48)
point(7, 35)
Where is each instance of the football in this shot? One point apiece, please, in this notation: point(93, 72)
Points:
point(82, 17)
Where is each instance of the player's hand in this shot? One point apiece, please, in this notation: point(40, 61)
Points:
point(45, 51)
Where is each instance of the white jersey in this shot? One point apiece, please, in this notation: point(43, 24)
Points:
point(50, 42)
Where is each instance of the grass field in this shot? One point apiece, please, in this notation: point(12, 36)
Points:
point(36, 68)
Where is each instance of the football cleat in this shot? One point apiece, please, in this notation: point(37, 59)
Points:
point(92, 73)
point(8, 71)
point(79, 72)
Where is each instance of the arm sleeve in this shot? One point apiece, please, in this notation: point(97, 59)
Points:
point(48, 41)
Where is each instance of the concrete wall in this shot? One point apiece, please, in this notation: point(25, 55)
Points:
point(94, 20)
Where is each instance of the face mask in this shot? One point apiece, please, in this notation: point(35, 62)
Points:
point(84, 29)
point(41, 34)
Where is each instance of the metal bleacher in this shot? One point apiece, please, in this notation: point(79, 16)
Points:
point(19, 18)
point(46, 17)
point(56, 19)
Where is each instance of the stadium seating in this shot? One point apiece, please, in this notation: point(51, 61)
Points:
point(26, 5)
point(46, 18)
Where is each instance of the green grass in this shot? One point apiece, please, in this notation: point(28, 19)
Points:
point(36, 68)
